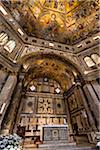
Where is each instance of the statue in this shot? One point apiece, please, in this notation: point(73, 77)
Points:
point(84, 119)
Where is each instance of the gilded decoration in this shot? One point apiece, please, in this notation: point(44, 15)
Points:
point(65, 21)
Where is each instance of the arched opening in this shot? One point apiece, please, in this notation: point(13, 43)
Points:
point(10, 45)
point(52, 106)
point(44, 107)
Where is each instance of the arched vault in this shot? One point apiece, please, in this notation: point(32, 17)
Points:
point(51, 66)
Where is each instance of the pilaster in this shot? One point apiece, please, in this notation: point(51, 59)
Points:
point(12, 111)
point(93, 101)
point(3, 76)
point(5, 95)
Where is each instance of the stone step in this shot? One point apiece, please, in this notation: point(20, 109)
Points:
point(56, 144)
point(52, 142)
point(30, 146)
point(59, 147)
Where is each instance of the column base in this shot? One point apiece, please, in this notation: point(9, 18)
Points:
point(80, 139)
point(5, 132)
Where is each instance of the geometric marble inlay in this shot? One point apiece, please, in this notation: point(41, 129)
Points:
point(45, 105)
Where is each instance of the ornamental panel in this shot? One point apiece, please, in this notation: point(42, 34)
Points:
point(45, 105)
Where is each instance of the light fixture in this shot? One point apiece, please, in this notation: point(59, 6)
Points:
point(20, 31)
point(96, 37)
point(57, 90)
point(65, 121)
point(86, 72)
point(14, 61)
point(41, 20)
point(11, 19)
point(2, 108)
point(32, 88)
point(74, 83)
point(79, 46)
point(62, 25)
point(75, 74)
point(3, 10)
point(25, 66)
point(45, 79)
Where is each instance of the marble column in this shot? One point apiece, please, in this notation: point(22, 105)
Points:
point(3, 76)
point(12, 111)
point(5, 95)
point(93, 102)
point(96, 88)
point(22, 123)
point(70, 130)
point(91, 120)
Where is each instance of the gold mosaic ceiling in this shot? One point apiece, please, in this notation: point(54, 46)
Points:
point(64, 21)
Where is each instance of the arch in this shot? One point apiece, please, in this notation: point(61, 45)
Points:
point(51, 55)
point(51, 66)
point(37, 63)
point(10, 45)
point(96, 58)
point(89, 61)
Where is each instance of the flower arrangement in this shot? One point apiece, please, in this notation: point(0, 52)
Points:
point(10, 142)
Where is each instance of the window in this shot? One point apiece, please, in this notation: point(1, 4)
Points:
point(89, 61)
point(51, 44)
point(3, 10)
point(20, 31)
point(3, 38)
point(32, 88)
point(79, 46)
point(45, 79)
point(10, 46)
point(57, 90)
point(96, 58)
